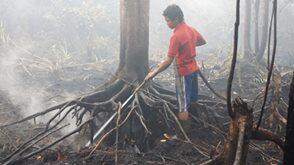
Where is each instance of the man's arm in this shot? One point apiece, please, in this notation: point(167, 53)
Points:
point(199, 38)
point(161, 67)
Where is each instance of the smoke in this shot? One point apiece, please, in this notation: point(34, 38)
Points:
point(28, 98)
point(38, 42)
point(25, 86)
point(41, 40)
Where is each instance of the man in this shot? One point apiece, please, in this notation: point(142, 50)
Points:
point(182, 48)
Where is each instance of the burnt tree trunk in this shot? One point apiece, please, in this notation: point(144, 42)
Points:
point(289, 143)
point(237, 143)
point(134, 39)
point(236, 147)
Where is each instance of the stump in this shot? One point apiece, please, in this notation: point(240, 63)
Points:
point(237, 143)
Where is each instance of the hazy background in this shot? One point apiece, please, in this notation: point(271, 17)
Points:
point(53, 50)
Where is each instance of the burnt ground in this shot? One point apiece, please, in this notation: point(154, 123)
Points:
point(206, 138)
point(207, 132)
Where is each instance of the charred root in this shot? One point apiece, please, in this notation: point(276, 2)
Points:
point(144, 118)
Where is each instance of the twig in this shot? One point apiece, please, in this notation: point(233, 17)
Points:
point(116, 130)
point(92, 124)
point(272, 63)
point(210, 125)
point(210, 87)
point(234, 60)
point(279, 117)
point(140, 116)
point(35, 137)
point(38, 140)
point(57, 114)
point(8, 137)
point(141, 119)
point(29, 117)
point(269, 39)
point(14, 161)
point(105, 135)
point(177, 121)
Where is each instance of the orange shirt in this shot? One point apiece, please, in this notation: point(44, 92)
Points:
point(183, 48)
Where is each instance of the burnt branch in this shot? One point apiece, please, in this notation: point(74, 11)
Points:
point(271, 64)
point(234, 60)
point(18, 160)
point(210, 87)
point(263, 134)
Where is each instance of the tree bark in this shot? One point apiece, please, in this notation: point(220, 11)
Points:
point(134, 39)
point(289, 143)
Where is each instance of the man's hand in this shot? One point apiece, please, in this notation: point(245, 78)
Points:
point(150, 75)
point(161, 67)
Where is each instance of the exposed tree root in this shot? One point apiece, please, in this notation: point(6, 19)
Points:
point(151, 105)
point(145, 117)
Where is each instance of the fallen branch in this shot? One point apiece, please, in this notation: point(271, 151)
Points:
point(279, 117)
point(17, 154)
point(240, 147)
point(37, 114)
point(35, 137)
point(210, 87)
point(18, 160)
point(262, 134)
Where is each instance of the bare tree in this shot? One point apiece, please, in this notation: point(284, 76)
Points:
point(256, 25)
point(261, 18)
point(247, 30)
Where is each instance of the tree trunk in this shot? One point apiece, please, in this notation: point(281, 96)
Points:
point(142, 115)
point(134, 39)
point(264, 29)
point(256, 25)
point(289, 143)
point(247, 30)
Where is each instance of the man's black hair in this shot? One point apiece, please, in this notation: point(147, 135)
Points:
point(174, 13)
